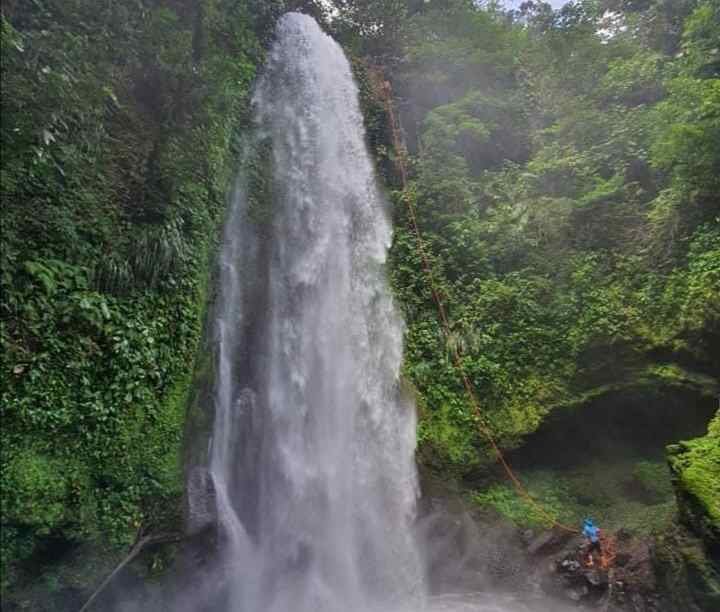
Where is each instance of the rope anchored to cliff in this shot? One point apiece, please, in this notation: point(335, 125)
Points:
point(484, 429)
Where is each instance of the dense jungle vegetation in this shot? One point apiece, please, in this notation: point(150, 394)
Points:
point(567, 185)
point(565, 166)
point(120, 126)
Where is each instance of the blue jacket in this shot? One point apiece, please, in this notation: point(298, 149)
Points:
point(591, 532)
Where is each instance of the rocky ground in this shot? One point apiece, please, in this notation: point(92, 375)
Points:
point(473, 551)
point(622, 578)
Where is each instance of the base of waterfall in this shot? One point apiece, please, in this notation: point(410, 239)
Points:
point(477, 564)
point(489, 602)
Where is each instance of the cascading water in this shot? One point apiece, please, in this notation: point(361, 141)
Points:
point(312, 448)
point(311, 485)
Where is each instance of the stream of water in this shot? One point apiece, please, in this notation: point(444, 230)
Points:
point(312, 449)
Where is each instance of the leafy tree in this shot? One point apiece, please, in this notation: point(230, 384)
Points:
point(564, 169)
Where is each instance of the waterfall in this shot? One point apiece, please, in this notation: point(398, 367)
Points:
point(312, 448)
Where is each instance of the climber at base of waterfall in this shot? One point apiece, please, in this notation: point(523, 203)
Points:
point(592, 534)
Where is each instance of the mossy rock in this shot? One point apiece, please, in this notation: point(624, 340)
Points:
point(688, 575)
point(695, 466)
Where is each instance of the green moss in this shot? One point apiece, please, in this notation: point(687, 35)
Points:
point(169, 429)
point(559, 279)
point(600, 489)
point(105, 287)
point(673, 375)
point(696, 468)
point(654, 478)
point(36, 487)
point(550, 493)
point(701, 477)
point(445, 443)
point(258, 169)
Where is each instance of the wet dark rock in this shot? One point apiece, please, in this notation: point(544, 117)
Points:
point(468, 552)
point(686, 571)
point(464, 556)
point(570, 565)
point(527, 536)
point(577, 594)
point(623, 535)
point(473, 551)
point(622, 559)
point(627, 583)
point(548, 542)
point(595, 578)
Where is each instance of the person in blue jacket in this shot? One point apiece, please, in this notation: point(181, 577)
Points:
point(592, 532)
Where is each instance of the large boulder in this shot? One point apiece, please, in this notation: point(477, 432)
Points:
point(695, 467)
point(690, 555)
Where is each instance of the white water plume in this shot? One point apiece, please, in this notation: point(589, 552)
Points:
point(312, 449)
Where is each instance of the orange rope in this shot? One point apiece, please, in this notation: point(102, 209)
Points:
point(482, 427)
point(608, 551)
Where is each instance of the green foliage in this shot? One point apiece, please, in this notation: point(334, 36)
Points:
point(550, 495)
point(633, 81)
point(642, 504)
point(37, 490)
point(564, 169)
point(654, 478)
point(481, 128)
point(119, 136)
point(700, 40)
point(696, 465)
point(565, 173)
point(369, 27)
point(688, 131)
point(258, 170)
